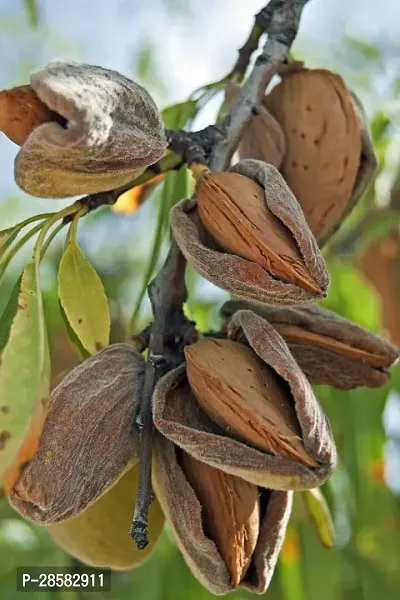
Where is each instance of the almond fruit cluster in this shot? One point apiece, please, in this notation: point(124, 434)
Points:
point(238, 427)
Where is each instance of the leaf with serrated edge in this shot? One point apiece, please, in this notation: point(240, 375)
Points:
point(319, 512)
point(83, 299)
point(24, 380)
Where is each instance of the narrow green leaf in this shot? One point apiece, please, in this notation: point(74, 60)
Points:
point(72, 335)
point(176, 115)
point(319, 512)
point(8, 314)
point(33, 13)
point(7, 236)
point(159, 236)
point(83, 299)
point(25, 368)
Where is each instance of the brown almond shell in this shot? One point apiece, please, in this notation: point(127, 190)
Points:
point(323, 144)
point(367, 170)
point(242, 277)
point(179, 418)
point(87, 442)
point(353, 356)
point(184, 514)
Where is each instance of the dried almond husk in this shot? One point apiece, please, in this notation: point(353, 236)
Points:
point(263, 138)
point(293, 270)
point(231, 513)
point(179, 417)
point(246, 397)
point(87, 442)
point(327, 145)
point(328, 348)
point(113, 131)
point(185, 515)
point(99, 535)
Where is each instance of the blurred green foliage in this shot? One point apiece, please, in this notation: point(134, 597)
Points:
point(365, 562)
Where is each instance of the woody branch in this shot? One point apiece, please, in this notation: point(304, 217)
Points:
point(170, 330)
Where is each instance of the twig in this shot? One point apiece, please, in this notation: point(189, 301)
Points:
point(171, 331)
point(169, 334)
point(184, 146)
point(261, 24)
point(283, 21)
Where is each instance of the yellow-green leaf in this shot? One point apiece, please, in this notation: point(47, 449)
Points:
point(7, 236)
point(24, 373)
point(83, 299)
point(319, 512)
point(8, 314)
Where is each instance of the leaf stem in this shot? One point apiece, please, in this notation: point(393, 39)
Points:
point(17, 246)
point(51, 238)
point(65, 212)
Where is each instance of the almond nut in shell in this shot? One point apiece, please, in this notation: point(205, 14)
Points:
point(323, 144)
point(231, 513)
point(245, 396)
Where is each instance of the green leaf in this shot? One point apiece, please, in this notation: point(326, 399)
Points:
point(159, 236)
point(319, 512)
point(177, 115)
point(33, 13)
point(25, 368)
point(83, 299)
point(7, 236)
point(145, 60)
point(72, 335)
point(363, 49)
point(8, 314)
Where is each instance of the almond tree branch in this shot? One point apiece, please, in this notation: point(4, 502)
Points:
point(171, 331)
point(283, 21)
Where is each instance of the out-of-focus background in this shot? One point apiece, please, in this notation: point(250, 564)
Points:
point(173, 47)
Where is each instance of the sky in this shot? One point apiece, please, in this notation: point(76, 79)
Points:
point(192, 42)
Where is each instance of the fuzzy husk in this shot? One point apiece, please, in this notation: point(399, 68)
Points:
point(329, 366)
point(239, 276)
point(87, 442)
point(184, 514)
point(178, 417)
point(114, 131)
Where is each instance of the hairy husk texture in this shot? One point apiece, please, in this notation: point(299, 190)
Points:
point(291, 272)
point(183, 510)
point(328, 348)
point(179, 417)
point(87, 442)
point(113, 131)
point(99, 535)
point(326, 146)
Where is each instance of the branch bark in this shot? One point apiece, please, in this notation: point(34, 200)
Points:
point(282, 19)
point(171, 331)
